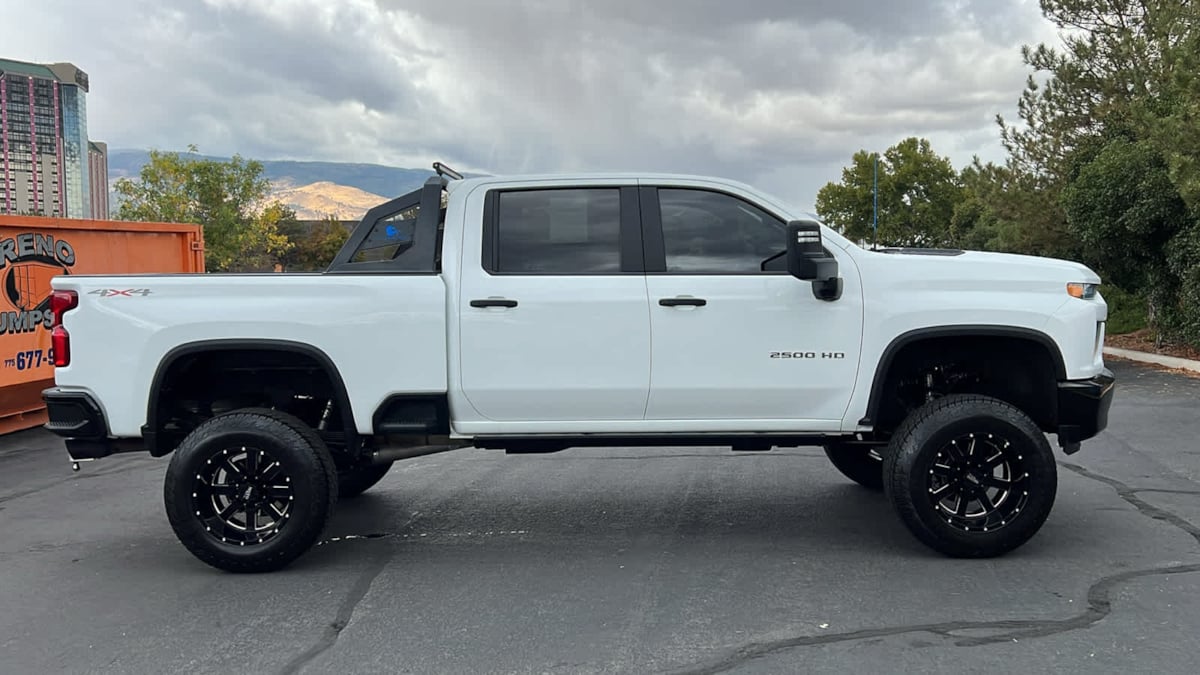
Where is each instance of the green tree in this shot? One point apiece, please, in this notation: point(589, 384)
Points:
point(1109, 152)
point(1116, 57)
point(1125, 196)
point(229, 199)
point(918, 191)
point(315, 245)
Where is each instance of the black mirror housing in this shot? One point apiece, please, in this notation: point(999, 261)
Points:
point(807, 261)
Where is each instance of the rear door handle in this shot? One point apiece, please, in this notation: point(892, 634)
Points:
point(682, 302)
point(494, 302)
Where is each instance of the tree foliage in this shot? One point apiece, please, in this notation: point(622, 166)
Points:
point(229, 199)
point(1103, 167)
point(918, 191)
point(1124, 196)
point(314, 245)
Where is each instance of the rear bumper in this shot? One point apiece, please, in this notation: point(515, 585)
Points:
point(77, 417)
point(1083, 408)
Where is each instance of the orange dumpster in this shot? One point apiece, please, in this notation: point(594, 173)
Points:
point(33, 250)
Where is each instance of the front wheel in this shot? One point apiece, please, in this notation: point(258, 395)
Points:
point(250, 490)
point(971, 476)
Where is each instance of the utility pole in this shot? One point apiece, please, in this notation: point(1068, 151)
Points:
point(875, 216)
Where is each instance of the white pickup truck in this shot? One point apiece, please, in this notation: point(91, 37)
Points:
point(539, 313)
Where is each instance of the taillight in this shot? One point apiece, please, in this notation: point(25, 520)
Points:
point(60, 341)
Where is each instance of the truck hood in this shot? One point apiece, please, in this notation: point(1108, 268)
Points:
point(981, 265)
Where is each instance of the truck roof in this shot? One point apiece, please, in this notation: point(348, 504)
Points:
point(597, 176)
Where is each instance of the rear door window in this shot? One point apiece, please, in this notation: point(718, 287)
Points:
point(557, 232)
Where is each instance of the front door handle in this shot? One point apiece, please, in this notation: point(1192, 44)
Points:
point(494, 302)
point(682, 302)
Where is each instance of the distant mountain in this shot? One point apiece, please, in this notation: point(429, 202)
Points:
point(317, 200)
point(375, 179)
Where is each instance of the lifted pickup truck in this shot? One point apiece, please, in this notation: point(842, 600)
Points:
point(539, 313)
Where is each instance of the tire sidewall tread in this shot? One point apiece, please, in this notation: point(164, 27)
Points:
point(313, 474)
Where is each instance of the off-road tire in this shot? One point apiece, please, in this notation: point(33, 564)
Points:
point(353, 481)
point(305, 466)
point(913, 460)
point(857, 463)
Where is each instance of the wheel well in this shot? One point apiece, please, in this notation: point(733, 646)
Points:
point(197, 382)
point(1019, 370)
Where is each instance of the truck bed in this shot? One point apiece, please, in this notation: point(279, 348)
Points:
point(386, 333)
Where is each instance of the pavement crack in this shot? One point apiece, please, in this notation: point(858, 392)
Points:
point(1130, 495)
point(362, 585)
point(1099, 606)
point(1099, 599)
point(345, 612)
point(1168, 491)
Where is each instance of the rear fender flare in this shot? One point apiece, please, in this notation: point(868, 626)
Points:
point(340, 394)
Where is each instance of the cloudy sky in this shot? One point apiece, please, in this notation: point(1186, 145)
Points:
point(778, 93)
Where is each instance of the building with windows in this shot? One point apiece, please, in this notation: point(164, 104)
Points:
point(46, 158)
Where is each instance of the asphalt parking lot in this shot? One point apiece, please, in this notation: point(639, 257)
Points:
point(633, 560)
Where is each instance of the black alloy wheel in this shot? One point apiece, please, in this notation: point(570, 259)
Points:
point(242, 495)
point(977, 482)
point(250, 490)
point(970, 476)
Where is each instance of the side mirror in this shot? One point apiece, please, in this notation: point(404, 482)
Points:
point(807, 261)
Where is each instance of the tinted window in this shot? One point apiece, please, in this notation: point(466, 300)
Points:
point(559, 232)
point(403, 238)
point(390, 236)
point(709, 232)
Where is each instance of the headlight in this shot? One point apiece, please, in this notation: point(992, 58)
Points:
point(1082, 291)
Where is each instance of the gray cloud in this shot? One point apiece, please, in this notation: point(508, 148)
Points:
point(774, 92)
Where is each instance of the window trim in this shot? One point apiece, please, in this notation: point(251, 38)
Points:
point(656, 249)
point(629, 233)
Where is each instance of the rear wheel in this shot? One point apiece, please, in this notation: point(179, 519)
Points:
point(971, 476)
point(250, 490)
point(353, 481)
point(860, 463)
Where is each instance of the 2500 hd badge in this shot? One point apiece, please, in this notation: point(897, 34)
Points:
point(808, 355)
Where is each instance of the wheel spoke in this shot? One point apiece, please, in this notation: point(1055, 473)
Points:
point(229, 510)
point(937, 492)
point(234, 468)
point(960, 509)
point(222, 489)
point(986, 502)
point(994, 461)
point(281, 492)
point(252, 457)
point(270, 471)
point(992, 481)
